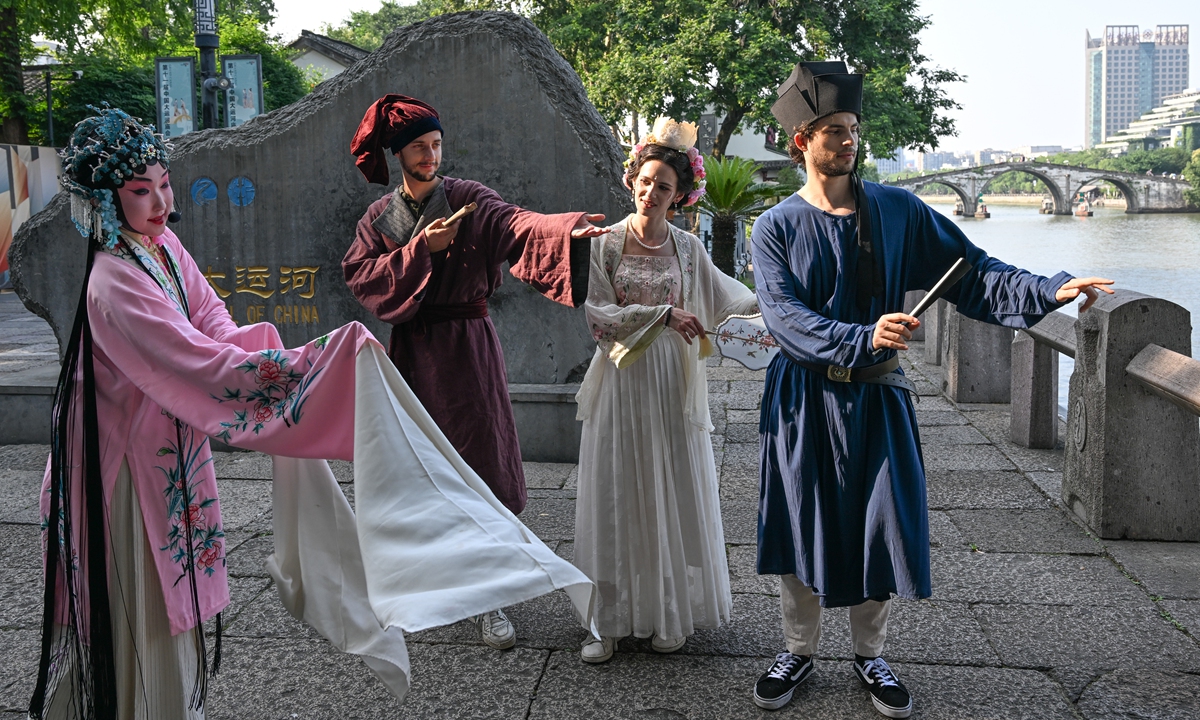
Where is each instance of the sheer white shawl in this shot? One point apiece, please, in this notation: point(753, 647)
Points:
point(624, 333)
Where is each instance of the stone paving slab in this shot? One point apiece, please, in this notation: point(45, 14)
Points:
point(1132, 635)
point(246, 553)
point(550, 519)
point(20, 547)
point(1022, 530)
point(944, 435)
point(1170, 570)
point(1029, 580)
point(718, 688)
point(924, 631)
point(21, 598)
point(24, 457)
point(20, 496)
point(1185, 612)
point(740, 522)
point(978, 489)
point(1049, 483)
point(243, 502)
point(1046, 626)
point(742, 575)
point(256, 612)
point(943, 533)
point(965, 457)
point(1126, 694)
point(18, 671)
point(935, 418)
point(547, 476)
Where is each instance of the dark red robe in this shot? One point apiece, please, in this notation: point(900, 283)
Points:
point(447, 352)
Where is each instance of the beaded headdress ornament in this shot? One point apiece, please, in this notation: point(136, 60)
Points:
point(105, 150)
point(677, 136)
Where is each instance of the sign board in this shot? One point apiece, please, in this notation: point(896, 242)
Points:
point(243, 100)
point(175, 92)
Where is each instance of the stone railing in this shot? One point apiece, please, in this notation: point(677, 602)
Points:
point(1132, 465)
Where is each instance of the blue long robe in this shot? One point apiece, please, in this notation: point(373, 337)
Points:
point(842, 485)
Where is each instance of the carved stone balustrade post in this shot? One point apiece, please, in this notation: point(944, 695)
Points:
point(1132, 457)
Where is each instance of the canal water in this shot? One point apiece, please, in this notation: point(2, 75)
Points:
point(1152, 254)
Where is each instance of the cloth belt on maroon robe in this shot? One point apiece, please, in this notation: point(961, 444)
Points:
point(431, 314)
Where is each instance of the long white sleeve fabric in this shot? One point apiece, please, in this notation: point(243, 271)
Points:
point(430, 545)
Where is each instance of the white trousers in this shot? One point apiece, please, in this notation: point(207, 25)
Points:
point(802, 620)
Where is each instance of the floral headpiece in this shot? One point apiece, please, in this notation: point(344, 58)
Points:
point(677, 136)
point(105, 150)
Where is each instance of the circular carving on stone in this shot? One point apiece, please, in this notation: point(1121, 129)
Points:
point(204, 191)
point(1080, 434)
point(241, 191)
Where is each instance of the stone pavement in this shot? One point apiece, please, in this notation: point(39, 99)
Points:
point(26, 340)
point(1031, 617)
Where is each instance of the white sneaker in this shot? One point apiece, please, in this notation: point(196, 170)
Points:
point(596, 650)
point(496, 630)
point(666, 645)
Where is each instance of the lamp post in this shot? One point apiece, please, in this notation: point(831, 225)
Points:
point(207, 42)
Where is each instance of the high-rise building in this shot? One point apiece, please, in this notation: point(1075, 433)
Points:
point(890, 165)
point(1128, 72)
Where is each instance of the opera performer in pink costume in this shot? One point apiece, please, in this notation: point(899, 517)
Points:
point(135, 547)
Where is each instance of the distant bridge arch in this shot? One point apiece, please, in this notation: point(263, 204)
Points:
point(1062, 204)
point(1143, 193)
point(1127, 190)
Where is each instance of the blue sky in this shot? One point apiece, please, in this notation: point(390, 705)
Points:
point(1023, 58)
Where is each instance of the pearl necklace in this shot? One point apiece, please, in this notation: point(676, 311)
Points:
point(638, 240)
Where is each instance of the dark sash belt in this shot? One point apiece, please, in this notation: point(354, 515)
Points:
point(431, 314)
point(883, 373)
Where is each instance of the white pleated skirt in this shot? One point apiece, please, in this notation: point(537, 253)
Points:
point(155, 671)
point(648, 518)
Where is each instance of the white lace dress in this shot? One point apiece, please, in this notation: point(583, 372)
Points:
point(648, 520)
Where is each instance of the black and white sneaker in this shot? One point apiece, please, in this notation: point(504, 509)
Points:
point(774, 689)
point(890, 696)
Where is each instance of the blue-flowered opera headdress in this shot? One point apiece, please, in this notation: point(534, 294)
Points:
point(105, 150)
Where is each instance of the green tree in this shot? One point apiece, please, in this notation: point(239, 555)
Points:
point(117, 40)
point(640, 58)
point(1016, 183)
point(368, 29)
point(105, 79)
point(682, 57)
point(1191, 172)
point(1162, 160)
point(733, 195)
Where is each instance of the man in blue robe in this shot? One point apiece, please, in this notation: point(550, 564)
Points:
point(842, 513)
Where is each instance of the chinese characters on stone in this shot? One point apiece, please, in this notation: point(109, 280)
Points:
point(294, 283)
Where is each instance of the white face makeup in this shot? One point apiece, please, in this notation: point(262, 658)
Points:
point(146, 199)
point(654, 189)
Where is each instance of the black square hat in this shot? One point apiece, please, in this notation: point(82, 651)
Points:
point(817, 89)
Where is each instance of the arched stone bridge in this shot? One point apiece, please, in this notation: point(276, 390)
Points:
point(1143, 193)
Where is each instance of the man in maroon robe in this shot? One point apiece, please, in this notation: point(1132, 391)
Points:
point(431, 280)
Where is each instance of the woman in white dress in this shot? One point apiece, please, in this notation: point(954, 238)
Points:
point(648, 519)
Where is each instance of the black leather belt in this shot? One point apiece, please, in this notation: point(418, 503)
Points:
point(842, 374)
point(883, 373)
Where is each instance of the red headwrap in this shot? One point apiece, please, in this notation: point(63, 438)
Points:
point(391, 122)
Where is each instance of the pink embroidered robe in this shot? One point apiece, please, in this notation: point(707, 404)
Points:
point(456, 366)
point(153, 364)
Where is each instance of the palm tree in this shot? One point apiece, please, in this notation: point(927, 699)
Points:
point(732, 195)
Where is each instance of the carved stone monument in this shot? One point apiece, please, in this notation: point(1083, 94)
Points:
point(269, 208)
